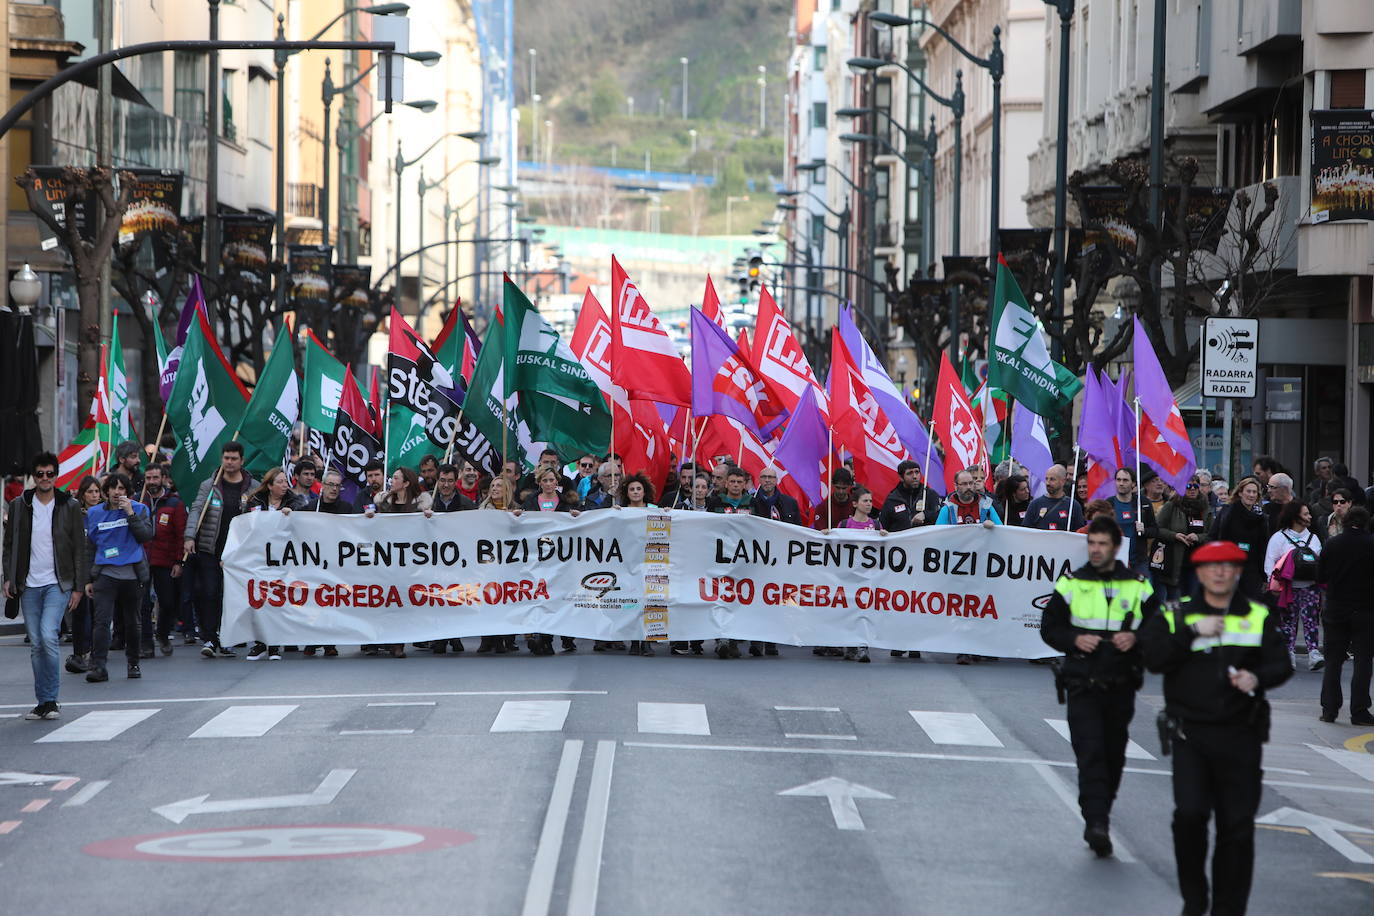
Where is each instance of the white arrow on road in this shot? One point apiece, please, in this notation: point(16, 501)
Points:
point(841, 794)
point(1323, 828)
point(329, 787)
point(12, 778)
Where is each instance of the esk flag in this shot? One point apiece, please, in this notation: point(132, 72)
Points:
point(644, 360)
point(265, 430)
point(723, 382)
point(1164, 443)
point(956, 426)
point(422, 415)
point(1020, 363)
point(562, 403)
point(1106, 433)
point(357, 440)
point(205, 408)
point(860, 424)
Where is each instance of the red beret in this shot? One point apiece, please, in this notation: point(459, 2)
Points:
point(1219, 552)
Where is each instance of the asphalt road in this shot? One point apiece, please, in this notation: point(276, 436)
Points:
point(603, 783)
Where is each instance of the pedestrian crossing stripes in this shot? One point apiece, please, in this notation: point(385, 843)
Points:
point(964, 728)
point(532, 716)
point(103, 725)
point(243, 722)
point(1133, 750)
point(673, 719)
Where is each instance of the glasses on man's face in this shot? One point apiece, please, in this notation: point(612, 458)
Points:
point(586, 465)
point(45, 473)
point(1339, 502)
point(1192, 485)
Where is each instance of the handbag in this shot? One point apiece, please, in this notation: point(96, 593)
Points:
point(12, 606)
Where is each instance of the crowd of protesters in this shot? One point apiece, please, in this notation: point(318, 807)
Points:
point(123, 563)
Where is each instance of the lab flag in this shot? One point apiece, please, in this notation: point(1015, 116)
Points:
point(723, 382)
point(323, 385)
point(956, 425)
point(117, 389)
point(860, 424)
point(205, 408)
point(265, 430)
point(1020, 362)
point(194, 305)
point(644, 360)
point(1163, 443)
point(1031, 447)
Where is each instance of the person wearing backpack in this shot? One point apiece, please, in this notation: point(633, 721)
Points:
point(1291, 563)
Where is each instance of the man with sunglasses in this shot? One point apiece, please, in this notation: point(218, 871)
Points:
point(44, 569)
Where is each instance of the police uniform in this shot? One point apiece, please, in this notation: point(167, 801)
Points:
point(1101, 685)
point(1217, 732)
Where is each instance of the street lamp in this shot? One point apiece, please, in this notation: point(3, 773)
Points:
point(423, 187)
point(327, 92)
point(475, 136)
point(25, 288)
point(683, 61)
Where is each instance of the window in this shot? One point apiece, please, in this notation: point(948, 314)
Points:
point(226, 104)
point(818, 114)
point(188, 73)
point(818, 57)
point(148, 78)
point(1347, 88)
point(259, 105)
point(882, 100)
point(818, 176)
point(817, 234)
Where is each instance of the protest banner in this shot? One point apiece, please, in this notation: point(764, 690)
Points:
point(637, 574)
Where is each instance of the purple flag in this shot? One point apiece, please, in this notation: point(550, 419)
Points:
point(1098, 419)
point(903, 419)
point(805, 445)
point(1164, 442)
point(1031, 447)
point(724, 383)
point(195, 299)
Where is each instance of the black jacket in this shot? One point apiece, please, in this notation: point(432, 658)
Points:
point(459, 502)
point(68, 536)
point(786, 507)
point(1250, 530)
point(1107, 665)
point(1346, 567)
point(900, 508)
point(1197, 686)
point(337, 507)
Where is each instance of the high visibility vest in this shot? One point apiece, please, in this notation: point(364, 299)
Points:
point(1095, 604)
point(1243, 630)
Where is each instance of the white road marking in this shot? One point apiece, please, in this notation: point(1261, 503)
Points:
point(243, 722)
point(1133, 750)
point(955, 728)
point(328, 696)
point(323, 794)
point(586, 878)
point(673, 719)
point(378, 731)
point(1269, 769)
point(1062, 792)
point(1361, 765)
point(822, 737)
point(15, 778)
point(88, 792)
point(531, 716)
point(97, 726)
point(1326, 829)
point(840, 793)
point(807, 708)
point(419, 703)
point(539, 892)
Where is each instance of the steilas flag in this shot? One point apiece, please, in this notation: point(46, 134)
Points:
point(357, 439)
point(1164, 444)
point(423, 400)
point(641, 440)
point(956, 426)
point(860, 424)
point(710, 304)
point(644, 360)
point(779, 358)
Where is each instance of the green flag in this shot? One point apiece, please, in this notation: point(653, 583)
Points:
point(561, 402)
point(322, 386)
point(265, 429)
point(1020, 362)
point(205, 407)
point(121, 429)
point(483, 405)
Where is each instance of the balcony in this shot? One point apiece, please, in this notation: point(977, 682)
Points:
point(1269, 25)
point(303, 200)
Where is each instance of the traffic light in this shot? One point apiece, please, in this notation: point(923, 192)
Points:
point(755, 267)
point(743, 290)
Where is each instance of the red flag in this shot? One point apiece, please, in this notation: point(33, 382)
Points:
point(724, 436)
point(779, 358)
point(710, 304)
point(743, 341)
point(860, 424)
point(644, 360)
point(956, 426)
point(374, 396)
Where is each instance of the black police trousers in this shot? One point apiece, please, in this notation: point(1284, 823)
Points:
point(1216, 770)
point(1099, 726)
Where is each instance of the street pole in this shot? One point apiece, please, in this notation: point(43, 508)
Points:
point(400, 166)
point(212, 153)
point(684, 87)
point(279, 57)
point(763, 100)
point(995, 181)
point(327, 96)
point(420, 269)
point(932, 147)
point(956, 229)
point(104, 156)
point(1061, 168)
point(1157, 126)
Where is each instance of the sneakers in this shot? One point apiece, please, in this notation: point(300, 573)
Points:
point(207, 651)
point(274, 654)
point(78, 664)
point(259, 651)
point(134, 673)
point(48, 710)
point(226, 652)
point(188, 639)
point(1315, 660)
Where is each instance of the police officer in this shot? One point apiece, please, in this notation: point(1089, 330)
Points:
point(1091, 618)
point(1218, 652)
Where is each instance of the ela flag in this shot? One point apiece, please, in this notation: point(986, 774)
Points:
point(860, 424)
point(724, 383)
point(205, 408)
point(562, 404)
point(323, 385)
point(265, 429)
point(1031, 447)
point(779, 358)
point(1020, 362)
point(644, 360)
point(422, 417)
point(956, 426)
point(909, 427)
point(496, 414)
point(117, 389)
point(1164, 444)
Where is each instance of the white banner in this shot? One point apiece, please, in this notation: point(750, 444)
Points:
point(309, 579)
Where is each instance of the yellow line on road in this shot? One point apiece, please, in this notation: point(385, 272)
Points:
point(1360, 743)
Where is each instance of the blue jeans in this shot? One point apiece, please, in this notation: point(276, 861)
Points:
point(43, 610)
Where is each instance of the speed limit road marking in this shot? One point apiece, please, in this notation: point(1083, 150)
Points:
point(268, 844)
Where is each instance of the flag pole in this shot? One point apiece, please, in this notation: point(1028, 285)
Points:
point(1139, 490)
point(157, 445)
point(830, 473)
point(448, 452)
point(1011, 462)
point(1073, 483)
point(925, 468)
